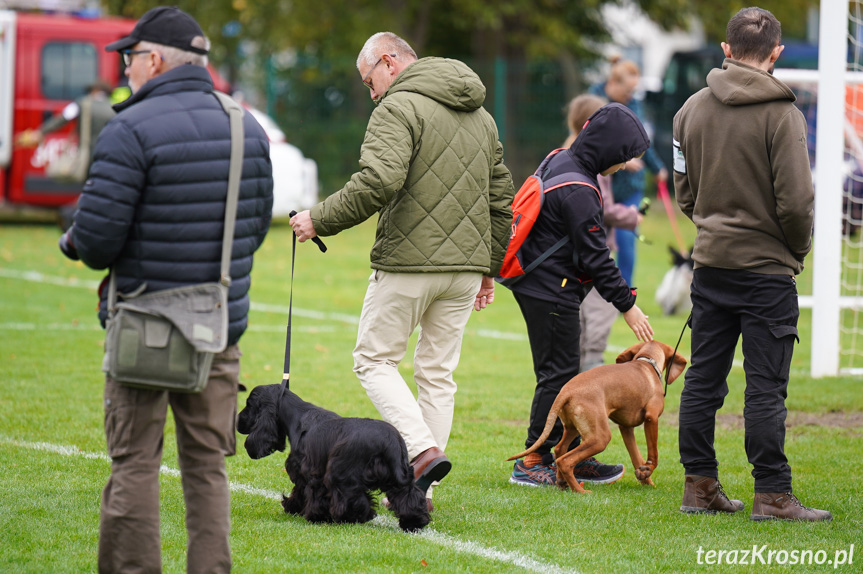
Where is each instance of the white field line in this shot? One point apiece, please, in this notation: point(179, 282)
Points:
point(94, 326)
point(270, 308)
point(37, 277)
point(387, 522)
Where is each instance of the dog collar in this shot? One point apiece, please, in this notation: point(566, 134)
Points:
point(652, 364)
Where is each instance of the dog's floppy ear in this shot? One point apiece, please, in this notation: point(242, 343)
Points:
point(261, 420)
point(678, 363)
point(629, 354)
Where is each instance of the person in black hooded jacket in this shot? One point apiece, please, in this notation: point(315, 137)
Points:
point(550, 296)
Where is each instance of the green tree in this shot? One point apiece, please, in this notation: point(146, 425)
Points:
point(334, 29)
point(531, 54)
point(715, 15)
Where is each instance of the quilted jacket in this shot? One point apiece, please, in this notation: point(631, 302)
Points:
point(153, 207)
point(432, 168)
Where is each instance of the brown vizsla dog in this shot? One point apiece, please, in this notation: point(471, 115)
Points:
point(629, 393)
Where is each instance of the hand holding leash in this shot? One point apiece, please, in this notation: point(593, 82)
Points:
point(303, 228)
point(644, 205)
point(642, 211)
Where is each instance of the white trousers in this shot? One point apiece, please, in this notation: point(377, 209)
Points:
point(395, 303)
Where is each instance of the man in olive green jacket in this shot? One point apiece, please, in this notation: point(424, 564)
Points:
point(741, 173)
point(432, 168)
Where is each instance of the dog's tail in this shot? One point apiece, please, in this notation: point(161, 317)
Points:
point(549, 424)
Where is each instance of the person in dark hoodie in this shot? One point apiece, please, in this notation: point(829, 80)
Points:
point(432, 168)
point(741, 173)
point(550, 296)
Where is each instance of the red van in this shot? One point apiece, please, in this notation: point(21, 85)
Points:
point(46, 61)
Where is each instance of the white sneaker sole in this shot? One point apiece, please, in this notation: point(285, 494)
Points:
point(513, 480)
point(607, 480)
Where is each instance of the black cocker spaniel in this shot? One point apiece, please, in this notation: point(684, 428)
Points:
point(335, 462)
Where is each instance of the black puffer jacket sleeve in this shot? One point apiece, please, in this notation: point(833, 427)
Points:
point(106, 209)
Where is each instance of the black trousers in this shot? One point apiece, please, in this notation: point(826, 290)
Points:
point(554, 331)
point(728, 303)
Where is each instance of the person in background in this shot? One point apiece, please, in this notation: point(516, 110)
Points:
point(597, 314)
point(628, 184)
point(97, 98)
point(550, 296)
point(741, 173)
point(432, 169)
point(153, 211)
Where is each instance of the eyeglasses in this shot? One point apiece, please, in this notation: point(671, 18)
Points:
point(372, 69)
point(127, 55)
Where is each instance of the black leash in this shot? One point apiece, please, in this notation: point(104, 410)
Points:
point(287, 371)
point(668, 366)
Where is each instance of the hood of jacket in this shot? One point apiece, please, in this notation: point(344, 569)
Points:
point(739, 84)
point(449, 82)
point(612, 135)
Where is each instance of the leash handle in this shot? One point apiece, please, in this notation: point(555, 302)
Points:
point(688, 323)
point(316, 240)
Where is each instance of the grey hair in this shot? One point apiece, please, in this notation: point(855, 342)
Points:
point(174, 57)
point(384, 43)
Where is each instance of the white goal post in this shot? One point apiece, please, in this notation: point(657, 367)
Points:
point(831, 78)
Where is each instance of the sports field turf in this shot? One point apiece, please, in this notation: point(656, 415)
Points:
point(52, 450)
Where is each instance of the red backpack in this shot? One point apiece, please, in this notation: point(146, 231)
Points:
point(525, 211)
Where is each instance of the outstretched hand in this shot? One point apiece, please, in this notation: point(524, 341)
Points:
point(28, 138)
point(639, 324)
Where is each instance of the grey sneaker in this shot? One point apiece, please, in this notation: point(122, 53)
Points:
point(537, 475)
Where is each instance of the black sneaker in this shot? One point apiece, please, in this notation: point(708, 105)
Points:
point(593, 471)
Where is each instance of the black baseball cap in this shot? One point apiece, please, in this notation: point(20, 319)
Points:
point(166, 25)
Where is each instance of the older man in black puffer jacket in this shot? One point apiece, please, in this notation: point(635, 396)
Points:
point(153, 210)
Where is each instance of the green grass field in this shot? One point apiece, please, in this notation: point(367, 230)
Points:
point(52, 450)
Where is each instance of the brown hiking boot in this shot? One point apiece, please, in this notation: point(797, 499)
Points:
point(784, 506)
point(704, 495)
point(429, 466)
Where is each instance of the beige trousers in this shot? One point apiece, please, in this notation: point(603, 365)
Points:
point(597, 317)
point(395, 303)
point(134, 425)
